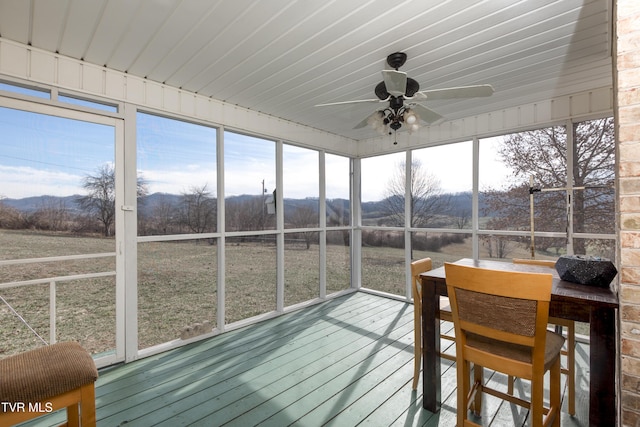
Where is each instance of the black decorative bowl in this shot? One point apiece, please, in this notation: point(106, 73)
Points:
point(586, 270)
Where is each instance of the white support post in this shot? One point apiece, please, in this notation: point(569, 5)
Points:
point(322, 211)
point(221, 285)
point(408, 216)
point(279, 228)
point(356, 220)
point(475, 241)
point(127, 236)
point(570, 184)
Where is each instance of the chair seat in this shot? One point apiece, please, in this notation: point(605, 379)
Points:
point(45, 372)
point(554, 343)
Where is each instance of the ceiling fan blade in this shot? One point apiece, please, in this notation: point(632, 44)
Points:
point(395, 81)
point(426, 114)
point(364, 122)
point(359, 101)
point(455, 92)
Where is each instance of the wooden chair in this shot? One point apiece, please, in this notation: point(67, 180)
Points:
point(569, 352)
point(418, 267)
point(46, 379)
point(500, 319)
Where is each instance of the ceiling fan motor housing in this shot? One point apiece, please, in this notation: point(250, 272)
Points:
point(397, 59)
point(396, 102)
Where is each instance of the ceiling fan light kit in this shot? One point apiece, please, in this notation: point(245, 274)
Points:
point(396, 88)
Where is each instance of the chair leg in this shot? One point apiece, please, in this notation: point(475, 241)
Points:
point(537, 402)
point(73, 415)
point(417, 347)
point(478, 378)
point(554, 393)
point(571, 366)
point(88, 405)
point(464, 386)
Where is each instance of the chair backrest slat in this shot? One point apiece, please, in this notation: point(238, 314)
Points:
point(512, 315)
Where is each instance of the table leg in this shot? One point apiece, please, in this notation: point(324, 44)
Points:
point(431, 348)
point(602, 364)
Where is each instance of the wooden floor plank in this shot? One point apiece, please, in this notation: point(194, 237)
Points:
point(227, 346)
point(334, 374)
point(376, 392)
point(348, 361)
point(324, 393)
point(404, 406)
point(215, 376)
point(299, 365)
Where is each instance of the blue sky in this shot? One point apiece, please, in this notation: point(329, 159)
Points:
point(46, 155)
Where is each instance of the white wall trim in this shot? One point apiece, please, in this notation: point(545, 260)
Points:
point(45, 68)
point(41, 67)
point(578, 106)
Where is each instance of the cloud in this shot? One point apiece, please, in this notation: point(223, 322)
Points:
point(24, 181)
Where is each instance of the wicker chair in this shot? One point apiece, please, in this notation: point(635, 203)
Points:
point(46, 379)
point(500, 319)
point(418, 267)
point(570, 351)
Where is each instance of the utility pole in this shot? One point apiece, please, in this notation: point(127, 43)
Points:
point(264, 190)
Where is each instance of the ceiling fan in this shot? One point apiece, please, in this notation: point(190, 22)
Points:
point(403, 94)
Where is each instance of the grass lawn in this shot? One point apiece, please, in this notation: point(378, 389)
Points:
point(177, 284)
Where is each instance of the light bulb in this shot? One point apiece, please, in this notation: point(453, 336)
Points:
point(410, 117)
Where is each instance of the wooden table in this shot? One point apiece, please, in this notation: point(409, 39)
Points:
point(597, 306)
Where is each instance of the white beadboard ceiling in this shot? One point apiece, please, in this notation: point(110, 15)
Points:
point(281, 57)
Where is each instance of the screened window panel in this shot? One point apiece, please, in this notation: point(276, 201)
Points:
point(250, 182)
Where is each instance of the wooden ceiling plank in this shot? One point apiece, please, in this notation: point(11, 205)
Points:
point(15, 20)
point(114, 21)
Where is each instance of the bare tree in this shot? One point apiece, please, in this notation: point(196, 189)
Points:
point(461, 213)
point(427, 199)
point(497, 246)
point(165, 215)
point(337, 212)
point(247, 214)
point(52, 214)
point(101, 197)
point(198, 210)
point(543, 154)
point(303, 217)
point(10, 217)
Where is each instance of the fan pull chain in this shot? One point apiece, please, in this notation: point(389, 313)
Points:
point(22, 319)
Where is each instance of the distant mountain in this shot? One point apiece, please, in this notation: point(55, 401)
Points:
point(151, 202)
point(35, 203)
point(458, 203)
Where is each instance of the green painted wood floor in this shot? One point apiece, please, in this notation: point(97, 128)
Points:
point(345, 362)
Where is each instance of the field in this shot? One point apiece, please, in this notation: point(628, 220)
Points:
point(177, 285)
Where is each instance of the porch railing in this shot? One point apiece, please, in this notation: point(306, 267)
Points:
point(52, 281)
